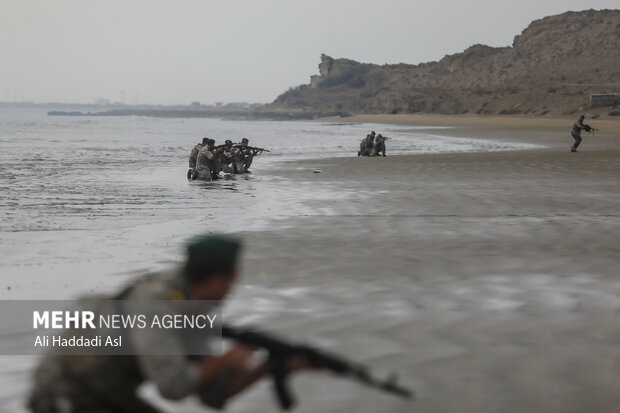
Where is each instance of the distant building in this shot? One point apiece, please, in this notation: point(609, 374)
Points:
point(195, 105)
point(602, 100)
point(102, 101)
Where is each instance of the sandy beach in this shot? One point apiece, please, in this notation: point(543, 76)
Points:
point(489, 281)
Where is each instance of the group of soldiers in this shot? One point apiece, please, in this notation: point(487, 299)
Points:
point(207, 160)
point(372, 145)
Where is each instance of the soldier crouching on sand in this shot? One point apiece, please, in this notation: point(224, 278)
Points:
point(366, 144)
point(193, 156)
point(108, 383)
point(378, 146)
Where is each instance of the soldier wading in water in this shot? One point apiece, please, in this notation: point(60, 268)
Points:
point(108, 383)
point(193, 157)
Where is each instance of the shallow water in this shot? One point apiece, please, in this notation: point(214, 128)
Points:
point(110, 174)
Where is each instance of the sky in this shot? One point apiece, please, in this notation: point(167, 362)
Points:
point(176, 52)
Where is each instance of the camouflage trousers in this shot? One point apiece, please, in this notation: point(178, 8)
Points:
point(378, 149)
point(206, 172)
point(243, 163)
point(577, 138)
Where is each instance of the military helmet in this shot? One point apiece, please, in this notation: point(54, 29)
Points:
point(245, 140)
point(211, 142)
point(228, 142)
point(372, 132)
point(205, 141)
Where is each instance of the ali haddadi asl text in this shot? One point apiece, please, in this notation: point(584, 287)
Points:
point(75, 341)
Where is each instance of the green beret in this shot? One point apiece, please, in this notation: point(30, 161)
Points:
point(210, 254)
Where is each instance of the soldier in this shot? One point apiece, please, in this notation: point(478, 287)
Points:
point(244, 156)
point(576, 132)
point(207, 163)
point(227, 158)
point(108, 383)
point(366, 144)
point(379, 146)
point(193, 156)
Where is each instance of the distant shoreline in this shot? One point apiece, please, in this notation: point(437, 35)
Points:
point(607, 125)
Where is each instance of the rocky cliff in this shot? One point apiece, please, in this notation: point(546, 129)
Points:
point(551, 68)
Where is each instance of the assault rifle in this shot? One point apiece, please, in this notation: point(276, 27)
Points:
point(252, 148)
point(281, 351)
point(222, 146)
point(588, 129)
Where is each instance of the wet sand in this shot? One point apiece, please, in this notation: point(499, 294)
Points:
point(488, 280)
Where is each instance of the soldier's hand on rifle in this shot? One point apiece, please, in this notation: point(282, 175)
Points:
point(239, 356)
point(295, 364)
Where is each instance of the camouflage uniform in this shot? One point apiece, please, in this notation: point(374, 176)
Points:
point(227, 158)
point(243, 159)
point(366, 145)
point(193, 156)
point(207, 164)
point(378, 147)
point(108, 383)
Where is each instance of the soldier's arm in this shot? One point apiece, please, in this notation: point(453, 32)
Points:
point(221, 378)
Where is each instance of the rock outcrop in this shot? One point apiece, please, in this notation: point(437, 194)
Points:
point(551, 68)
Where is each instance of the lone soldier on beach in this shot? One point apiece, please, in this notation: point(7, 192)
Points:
point(207, 163)
point(379, 146)
point(366, 144)
point(108, 383)
point(193, 156)
point(576, 132)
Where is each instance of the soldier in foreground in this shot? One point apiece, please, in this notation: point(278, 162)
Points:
point(108, 383)
point(193, 156)
point(578, 126)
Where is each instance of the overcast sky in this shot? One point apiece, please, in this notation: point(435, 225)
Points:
point(175, 52)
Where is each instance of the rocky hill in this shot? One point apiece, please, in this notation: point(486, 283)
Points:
point(551, 69)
